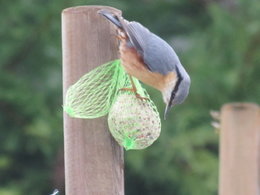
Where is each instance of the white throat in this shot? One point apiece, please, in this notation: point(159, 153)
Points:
point(167, 91)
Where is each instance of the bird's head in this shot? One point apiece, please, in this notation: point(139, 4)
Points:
point(177, 93)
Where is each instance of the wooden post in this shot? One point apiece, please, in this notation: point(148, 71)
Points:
point(239, 149)
point(93, 161)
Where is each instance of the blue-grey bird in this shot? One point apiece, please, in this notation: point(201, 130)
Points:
point(151, 60)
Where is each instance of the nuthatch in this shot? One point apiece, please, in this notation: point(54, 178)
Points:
point(151, 60)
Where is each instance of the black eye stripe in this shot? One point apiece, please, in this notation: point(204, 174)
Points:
point(176, 87)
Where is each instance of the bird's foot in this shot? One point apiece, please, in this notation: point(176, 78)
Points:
point(118, 36)
point(137, 95)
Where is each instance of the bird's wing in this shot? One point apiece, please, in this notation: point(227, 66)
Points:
point(137, 35)
point(156, 53)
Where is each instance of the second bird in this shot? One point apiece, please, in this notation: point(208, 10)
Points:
point(151, 60)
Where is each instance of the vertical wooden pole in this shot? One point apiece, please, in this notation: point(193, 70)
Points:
point(93, 161)
point(239, 149)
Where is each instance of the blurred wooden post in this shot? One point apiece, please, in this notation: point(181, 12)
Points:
point(93, 161)
point(239, 149)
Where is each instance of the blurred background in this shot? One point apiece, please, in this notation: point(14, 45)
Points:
point(218, 42)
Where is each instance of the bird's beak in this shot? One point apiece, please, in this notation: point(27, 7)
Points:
point(166, 111)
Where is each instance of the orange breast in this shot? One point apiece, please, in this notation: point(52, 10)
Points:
point(134, 66)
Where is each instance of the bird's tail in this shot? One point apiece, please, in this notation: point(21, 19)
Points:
point(111, 17)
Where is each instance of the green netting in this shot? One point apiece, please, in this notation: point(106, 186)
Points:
point(93, 94)
point(133, 122)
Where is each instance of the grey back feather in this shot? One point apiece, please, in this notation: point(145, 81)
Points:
point(156, 53)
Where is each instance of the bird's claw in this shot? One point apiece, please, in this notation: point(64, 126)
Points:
point(137, 95)
point(118, 36)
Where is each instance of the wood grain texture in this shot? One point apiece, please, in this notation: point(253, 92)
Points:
point(93, 160)
point(239, 149)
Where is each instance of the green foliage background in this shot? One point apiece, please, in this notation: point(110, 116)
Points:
point(218, 45)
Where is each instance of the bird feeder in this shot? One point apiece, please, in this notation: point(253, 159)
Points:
point(133, 122)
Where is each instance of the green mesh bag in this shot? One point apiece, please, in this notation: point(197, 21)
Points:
point(133, 122)
point(93, 94)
